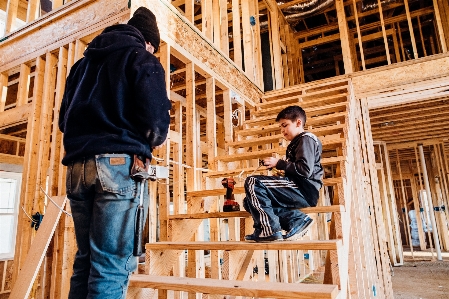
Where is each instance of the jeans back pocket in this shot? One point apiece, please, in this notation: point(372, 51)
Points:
point(114, 174)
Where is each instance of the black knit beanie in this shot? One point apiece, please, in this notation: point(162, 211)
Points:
point(145, 21)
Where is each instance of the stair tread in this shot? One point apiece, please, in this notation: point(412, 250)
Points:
point(244, 214)
point(332, 129)
point(214, 192)
point(297, 88)
point(237, 245)
point(309, 110)
point(263, 154)
point(236, 288)
point(318, 120)
point(277, 137)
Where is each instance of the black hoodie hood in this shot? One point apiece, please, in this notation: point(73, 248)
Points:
point(114, 38)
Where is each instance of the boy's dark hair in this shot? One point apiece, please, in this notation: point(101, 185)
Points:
point(292, 113)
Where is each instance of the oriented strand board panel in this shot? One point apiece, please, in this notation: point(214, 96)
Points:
point(39, 246)
point(56, 25)
point(187, 40)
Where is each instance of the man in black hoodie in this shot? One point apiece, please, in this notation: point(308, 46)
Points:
point(115, 106)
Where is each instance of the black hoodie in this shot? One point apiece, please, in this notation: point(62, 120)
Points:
point(115, 99)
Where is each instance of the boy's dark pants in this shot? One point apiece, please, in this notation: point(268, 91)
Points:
point(272, 200)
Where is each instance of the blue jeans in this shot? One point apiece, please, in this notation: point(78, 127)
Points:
point(104, 201)
point(273, 202)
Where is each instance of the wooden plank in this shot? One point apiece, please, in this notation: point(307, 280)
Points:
point(30, 170)
point(236, 288)
point(3, 91)
point(237, 245)
point(189, 10)
point(11, 159)
point(35, 256)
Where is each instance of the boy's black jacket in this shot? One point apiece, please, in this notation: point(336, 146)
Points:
point(304, 160)
point(115, 99)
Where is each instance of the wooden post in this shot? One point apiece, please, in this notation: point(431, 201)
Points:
point(410, 28)
point(224, 36)
point(273, 20)
point(359, 34)
point(423, 44)
point(429, 199)
point(440, 26)
point(425, 210)
point(29, 175)
point(24, 85)
point(247, 41)
point(206, 15)
point(382, 23)
point(404, 204)
point(33, 10)
point(11, 15)
point(216, 23)
point(344, 37)
point(190, 10)
point(236, 37)
point(3, 90)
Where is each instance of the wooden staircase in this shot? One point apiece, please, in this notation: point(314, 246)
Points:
point(232, 261)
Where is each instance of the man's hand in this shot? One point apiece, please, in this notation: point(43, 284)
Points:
point(270, 162)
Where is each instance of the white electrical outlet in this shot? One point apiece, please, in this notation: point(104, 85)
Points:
point(158, 172)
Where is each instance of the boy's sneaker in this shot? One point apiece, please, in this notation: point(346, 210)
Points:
point(277, 236)
point(298, 231)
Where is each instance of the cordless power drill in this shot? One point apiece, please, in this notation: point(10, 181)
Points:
point(230, 205)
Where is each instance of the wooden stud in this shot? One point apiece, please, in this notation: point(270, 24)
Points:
point(3, 90)
point(11, 15)
point(190, 10)
point(439, 26)
point(359, 34)
point(24, 85)
point(382, 23)
point(423, 44)
point(410, 28)
point(216, 23)
point(33, 10)
point(224, 36)
point(247, 40)
point(207, 25)
point(344, 37)
point(236, 37)
point(405, 206)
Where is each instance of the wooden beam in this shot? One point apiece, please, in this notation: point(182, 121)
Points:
point(382, 23)
point(11, 15)
point(33, 10)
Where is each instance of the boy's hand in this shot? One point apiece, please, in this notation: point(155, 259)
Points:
point(270, 162)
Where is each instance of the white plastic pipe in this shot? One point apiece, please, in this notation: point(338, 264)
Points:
point(429, 200)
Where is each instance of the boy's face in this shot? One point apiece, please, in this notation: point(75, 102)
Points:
point(290, 129)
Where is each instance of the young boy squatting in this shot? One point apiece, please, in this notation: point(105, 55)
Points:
point(273, 201)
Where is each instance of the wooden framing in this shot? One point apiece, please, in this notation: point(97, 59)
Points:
point(205, 144)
